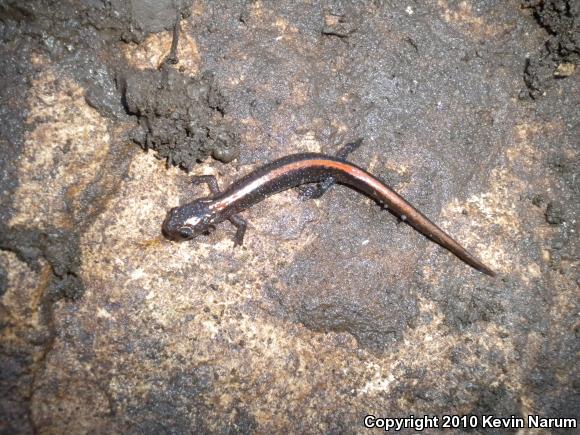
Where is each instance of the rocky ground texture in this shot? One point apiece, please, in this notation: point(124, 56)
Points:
point(332, 309)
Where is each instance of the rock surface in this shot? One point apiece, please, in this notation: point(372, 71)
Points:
point(331, 310)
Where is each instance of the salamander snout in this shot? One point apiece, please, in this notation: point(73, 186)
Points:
point(188, 221)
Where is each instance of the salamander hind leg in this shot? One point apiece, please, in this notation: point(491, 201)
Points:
point(241, 225)
point(316, 190)
point(210, 180)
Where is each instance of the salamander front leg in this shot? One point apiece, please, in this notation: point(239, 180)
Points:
point(210, 180)
point(240, 224)
point(316, 190)
point(350, 147)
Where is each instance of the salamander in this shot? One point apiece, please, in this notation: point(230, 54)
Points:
point(201, 215)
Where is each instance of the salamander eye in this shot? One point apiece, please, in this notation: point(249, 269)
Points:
point(185, 233)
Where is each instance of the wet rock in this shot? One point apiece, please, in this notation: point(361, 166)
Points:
point(330, 293)
point(565, 69)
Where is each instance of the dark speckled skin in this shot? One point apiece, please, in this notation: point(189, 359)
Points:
point(199, 216)
point(287, 178)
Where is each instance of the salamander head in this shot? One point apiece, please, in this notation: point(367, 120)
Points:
point(189, 220)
